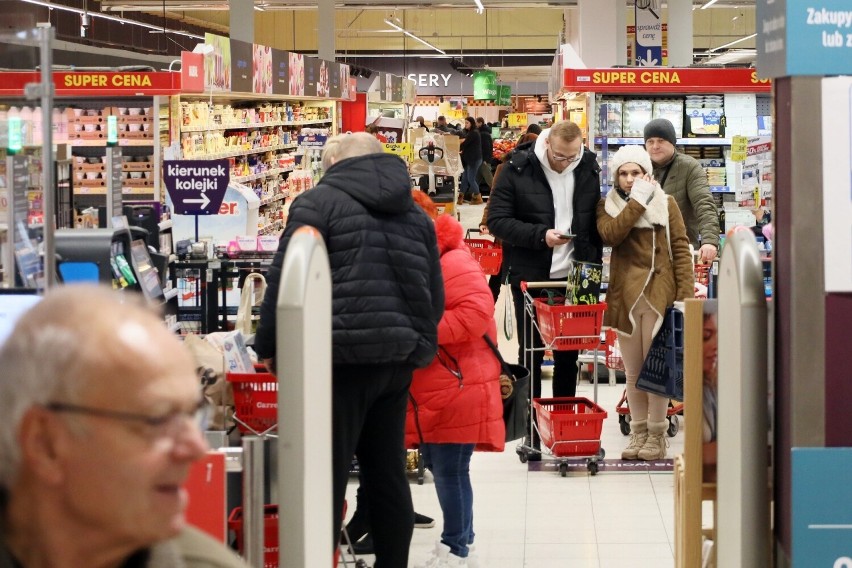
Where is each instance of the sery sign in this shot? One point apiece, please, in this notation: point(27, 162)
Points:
point(196, 186)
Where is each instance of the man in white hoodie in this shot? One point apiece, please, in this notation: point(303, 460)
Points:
point(543, 208)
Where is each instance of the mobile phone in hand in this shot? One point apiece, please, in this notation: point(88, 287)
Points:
point(565, 235)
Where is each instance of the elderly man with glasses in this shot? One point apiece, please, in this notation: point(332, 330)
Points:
point(543, 207)
point(104, 419)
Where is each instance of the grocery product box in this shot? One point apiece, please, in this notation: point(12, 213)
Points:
point(611, 123)
point(637, 113)
point(705, 122)
point(671, 110)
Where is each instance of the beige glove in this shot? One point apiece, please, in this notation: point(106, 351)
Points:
point(643, 191)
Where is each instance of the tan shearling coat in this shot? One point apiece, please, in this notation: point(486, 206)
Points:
point(640, 262)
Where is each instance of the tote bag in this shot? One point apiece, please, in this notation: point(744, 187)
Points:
point(662, 371)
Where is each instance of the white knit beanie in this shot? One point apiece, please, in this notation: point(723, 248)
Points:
point(630, 154)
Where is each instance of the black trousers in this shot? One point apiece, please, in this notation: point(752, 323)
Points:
point(564, 362)
point(368, 405)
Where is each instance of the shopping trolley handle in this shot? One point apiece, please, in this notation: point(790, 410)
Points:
point(548, 284)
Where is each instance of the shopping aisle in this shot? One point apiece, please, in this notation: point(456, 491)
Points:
point(526, 515)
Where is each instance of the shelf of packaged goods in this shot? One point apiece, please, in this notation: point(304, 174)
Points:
point(102, 190)
point(165, 225)
point(271, 228)
point(279, 197)
point(721, 189)
point(121, 142)
point(267, 173)
point(241, 152)
point(236, 126)
point(680, 141)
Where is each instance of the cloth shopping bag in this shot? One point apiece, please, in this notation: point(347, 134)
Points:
point(662, 371)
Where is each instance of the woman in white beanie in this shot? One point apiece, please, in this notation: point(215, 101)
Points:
point(650, 269)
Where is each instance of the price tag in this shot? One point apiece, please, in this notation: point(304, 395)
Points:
point(739, 146)
point(517, 119)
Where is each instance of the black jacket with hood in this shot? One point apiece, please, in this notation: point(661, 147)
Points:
point(521, 210)
point(387, 288)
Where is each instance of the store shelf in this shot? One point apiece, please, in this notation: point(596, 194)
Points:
point(280, 197)
point(273, 123)
point(721, 189)
point(267, 173)
point(122, 142)
point(130, 190)
point(242, 152)
point(680, 141)
point(271, 228)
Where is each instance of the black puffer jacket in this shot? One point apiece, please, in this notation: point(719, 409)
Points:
point(387, 288)
point(520, 212)
point(471, 147)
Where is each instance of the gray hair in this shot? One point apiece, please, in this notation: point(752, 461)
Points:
point(345, 146)
point(52, 353)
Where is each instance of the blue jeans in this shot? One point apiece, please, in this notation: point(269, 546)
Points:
point(468, 178)
point(450, 466)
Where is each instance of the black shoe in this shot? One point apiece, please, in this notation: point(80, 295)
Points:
point(363, 546)
point(422, 521)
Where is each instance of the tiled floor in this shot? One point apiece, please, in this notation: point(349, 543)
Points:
point(535, 518)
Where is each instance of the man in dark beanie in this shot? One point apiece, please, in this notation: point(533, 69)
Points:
point(683, 178)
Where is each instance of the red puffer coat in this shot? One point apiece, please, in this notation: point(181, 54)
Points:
point(446, 408)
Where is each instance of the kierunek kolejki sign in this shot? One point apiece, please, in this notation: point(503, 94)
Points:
point(196, 187)
point(798, 37)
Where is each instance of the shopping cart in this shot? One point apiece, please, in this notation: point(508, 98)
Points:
point(669, 359)
point(567, 427)
point(255, 402)
point(487, 253)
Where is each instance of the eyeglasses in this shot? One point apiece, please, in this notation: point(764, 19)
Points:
point(560, 158)
point(169, 425)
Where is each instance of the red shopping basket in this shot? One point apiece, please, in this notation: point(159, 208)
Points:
point(569, 328)
point(613, 352)
point(569, 426)
point(702, 274)
point(255, 401)
point(489, 255)
point(270, 533)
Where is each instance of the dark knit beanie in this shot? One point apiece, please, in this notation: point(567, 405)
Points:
point(661, 128)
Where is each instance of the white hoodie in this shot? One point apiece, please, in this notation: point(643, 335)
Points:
point(562, 187)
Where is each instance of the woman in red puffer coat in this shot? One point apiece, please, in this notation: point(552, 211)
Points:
point(455, 404)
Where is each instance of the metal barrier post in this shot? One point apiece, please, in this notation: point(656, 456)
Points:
point(303, 356)
point(253, 506)
point(743, 523)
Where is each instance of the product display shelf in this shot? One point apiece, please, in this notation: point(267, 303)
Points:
point(242, 152)
point(680, 141)
point(278, 197)
point(259, 175)
point(271, 228)
point(238, 126)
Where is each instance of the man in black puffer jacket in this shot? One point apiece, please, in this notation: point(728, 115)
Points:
point(387, 300)
point(548, 188)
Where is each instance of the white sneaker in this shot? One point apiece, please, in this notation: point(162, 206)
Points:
point(438, 558)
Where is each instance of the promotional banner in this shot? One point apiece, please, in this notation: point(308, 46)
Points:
point(649, 36)
point(837, 183)
point(312, 70)
point(191, 72)
point(241, 66)
point(504, 95)
point(280, 74)
point(798, 37)
point(196, 187)
point(484, 85)
point(217, 67)
point(262, 65)
point(649, 81)
point(297, 74)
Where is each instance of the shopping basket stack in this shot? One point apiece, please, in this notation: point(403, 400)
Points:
point(488, 254)
point(255, 402)
point(270, 533)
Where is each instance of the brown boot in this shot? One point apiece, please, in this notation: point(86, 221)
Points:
point(460, 200)
point(655, 445)
point(476, 199)
point(638, 435)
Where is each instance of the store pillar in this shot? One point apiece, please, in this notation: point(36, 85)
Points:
point(601, 28)
point(680, 34)
point(325, 31)
point(241, 20)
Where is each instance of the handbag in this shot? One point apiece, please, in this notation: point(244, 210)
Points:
point(662, 371)
point(515, 390)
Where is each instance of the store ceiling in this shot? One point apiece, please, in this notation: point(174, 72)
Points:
point(188, 5)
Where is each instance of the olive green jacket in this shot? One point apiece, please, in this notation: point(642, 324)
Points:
point(687, 183)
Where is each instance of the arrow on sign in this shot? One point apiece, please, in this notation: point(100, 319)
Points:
point(204, 200)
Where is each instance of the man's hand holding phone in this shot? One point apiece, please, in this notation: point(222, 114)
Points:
point(555, 237)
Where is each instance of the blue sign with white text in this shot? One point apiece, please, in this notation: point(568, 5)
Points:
point(822, 507)
point(196, 186)
point(799, 37)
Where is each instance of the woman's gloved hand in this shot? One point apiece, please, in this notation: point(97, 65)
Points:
point(643, 190)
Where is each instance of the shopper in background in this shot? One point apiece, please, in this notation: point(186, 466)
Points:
point(650, 269)
point(683, 178)
point(443, 126)
point(103, 409)
point(455, 404)
point(546, 190)
point(710, 372)
point(387, 299)
point(495, 280)
point(485, 176)
point(471, 155)
point(422, 122)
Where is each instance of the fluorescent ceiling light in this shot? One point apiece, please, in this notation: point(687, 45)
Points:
point(412, 36)
point(479, 7)
point(708, 4)
point(730, 43)
point(53, 6)
point(732, 56)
